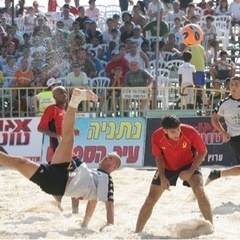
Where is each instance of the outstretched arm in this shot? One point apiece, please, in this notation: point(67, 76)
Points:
point(110, 212)
point(91, 205)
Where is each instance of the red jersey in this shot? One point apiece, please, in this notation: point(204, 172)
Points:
point(177, 154)
point(52, 119)
point(122, 62)
point(52, 5)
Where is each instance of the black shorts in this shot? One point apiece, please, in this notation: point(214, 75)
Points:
point(234, 143)
point(172, 176)
point(213, 43)
point(223, 74)
point(234, 22)
point(52, 179)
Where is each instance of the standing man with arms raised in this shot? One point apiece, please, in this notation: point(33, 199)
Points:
point(179, 150)
point(229, 109)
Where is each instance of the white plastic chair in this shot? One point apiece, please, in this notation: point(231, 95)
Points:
point(162, 94)
point(171, 25)
point(101, 24)
point(99, 83)
point(222, 33)
point(102, 73)
point(199, 11)
point(7, 81)
point(151, 55)
point(109, 14)
point(113, 8)
point(173, 66)
point(167, 56)
point(104, 63)
point(63, 80)
point(104, 47)
point(102, 10)
point(161, 64)
point(20, 22)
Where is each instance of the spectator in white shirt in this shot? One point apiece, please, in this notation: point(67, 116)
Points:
point(67, 19)
point(175, 13)
point(153, 9)
point(77, 77)
point(92, 12)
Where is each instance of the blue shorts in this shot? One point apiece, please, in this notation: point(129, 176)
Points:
point(172, 176)
point(200, 79)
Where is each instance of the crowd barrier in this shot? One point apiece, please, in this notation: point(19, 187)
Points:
point(116, 102)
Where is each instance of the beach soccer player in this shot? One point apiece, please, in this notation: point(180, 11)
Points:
point(83, 183)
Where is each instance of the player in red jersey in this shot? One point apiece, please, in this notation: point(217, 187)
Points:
point(179, 150)
point(51, 125)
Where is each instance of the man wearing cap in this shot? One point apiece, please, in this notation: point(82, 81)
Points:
point(116, 61)
point(137, 36)
point(42, 30)
point(62, 176)
point(44, 99)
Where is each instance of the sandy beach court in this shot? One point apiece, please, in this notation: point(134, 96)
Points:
point(28, 213)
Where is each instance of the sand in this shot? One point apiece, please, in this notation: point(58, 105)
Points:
point(28, 213)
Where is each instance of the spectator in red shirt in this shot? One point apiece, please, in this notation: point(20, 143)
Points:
point(52, 5)
point(115, 62)
point(179, 151)
point(10, 37)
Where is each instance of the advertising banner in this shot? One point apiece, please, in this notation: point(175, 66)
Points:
point(219, 153)
point(126, 136)
point(19, 136)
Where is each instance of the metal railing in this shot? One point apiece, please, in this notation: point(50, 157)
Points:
point(116, 102)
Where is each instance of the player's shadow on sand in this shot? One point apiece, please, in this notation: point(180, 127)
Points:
point(226, 208)
point(145, 235)
point(31, 220)
point(68, 233)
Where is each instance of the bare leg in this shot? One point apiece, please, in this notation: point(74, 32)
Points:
point(25, 166)
point(146, 210)
point(215, 174)
point(75, 203)
point(63, 152)
point(233, 171)
point(196, 183)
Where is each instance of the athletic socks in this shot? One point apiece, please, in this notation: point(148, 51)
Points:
point(77, 96)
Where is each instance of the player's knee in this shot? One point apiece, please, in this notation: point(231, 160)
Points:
point(151, 200)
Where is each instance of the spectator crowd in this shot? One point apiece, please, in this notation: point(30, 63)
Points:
point(77, 43)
